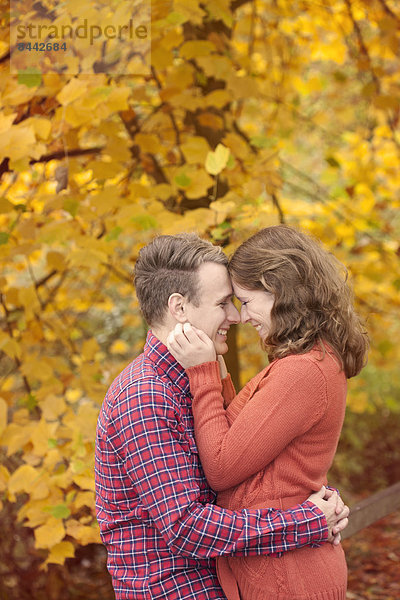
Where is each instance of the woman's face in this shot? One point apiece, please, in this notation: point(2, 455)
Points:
point(256, 308)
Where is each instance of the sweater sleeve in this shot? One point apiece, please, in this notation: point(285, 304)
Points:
point(228, 390)
point(284, 404)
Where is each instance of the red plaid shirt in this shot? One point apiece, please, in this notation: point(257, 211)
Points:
point(154, 506)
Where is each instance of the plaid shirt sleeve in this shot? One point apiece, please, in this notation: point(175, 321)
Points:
point(156, 453)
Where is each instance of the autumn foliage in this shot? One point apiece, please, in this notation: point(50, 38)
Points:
point(253, 113)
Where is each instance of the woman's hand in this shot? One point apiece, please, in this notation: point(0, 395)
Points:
point(335, 510)
point(190, 346)
point(222, 366)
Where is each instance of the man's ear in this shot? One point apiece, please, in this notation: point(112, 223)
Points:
point(177, 307)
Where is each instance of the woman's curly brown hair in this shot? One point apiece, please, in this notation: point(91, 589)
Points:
point(313, 302)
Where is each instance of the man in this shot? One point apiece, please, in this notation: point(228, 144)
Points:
point(154, 506)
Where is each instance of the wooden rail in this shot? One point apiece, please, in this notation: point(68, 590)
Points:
point(372, 509)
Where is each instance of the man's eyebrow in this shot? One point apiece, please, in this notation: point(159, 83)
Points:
point(227, 297)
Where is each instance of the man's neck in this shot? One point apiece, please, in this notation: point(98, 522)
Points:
point(161, 333)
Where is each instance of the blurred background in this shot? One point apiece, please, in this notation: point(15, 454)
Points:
point(246, 113)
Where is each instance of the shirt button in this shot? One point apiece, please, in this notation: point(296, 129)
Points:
point(181, 427)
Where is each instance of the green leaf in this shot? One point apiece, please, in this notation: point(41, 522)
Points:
point(60, 511)
point(113, 234)
point(30, 77)
point(71, 206)
point(261, 141)
point(331, 160)
point(183, 180)
point(4, 237)
point(145, 222)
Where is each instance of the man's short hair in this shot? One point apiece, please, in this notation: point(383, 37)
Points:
point(169, 265)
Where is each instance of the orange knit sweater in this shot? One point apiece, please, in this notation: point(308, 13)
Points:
point(271, 446)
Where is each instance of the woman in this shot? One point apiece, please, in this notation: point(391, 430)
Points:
point(273, 443)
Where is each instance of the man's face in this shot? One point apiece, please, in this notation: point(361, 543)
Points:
point(216, 311)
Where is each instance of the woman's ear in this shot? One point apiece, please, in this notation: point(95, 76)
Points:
point(177, 307)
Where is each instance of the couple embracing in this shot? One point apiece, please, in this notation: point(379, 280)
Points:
point(202, 493)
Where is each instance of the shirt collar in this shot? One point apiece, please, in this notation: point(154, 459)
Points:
point(165, 363)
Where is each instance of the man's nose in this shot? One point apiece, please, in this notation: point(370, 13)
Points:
point(244, 317)
point(233, 314)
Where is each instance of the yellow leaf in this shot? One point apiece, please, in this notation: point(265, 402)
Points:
point(73, 395)
point(89, 349)
point(118, 99)
point(49, 534)
point(218, 98)
point(6, 121)
point(76, 115)
point(9, 346)
point(148, 142)
point(119, 347)
point(52, 407)
point(162, 191)
point(199, 184)
point(216, 66)
point(40, 490)
point(41, 127)
point(217, 161)
point(83, 533)
point(84, 499)
point(15, 437)
point(222, 209)
point(74, 89)
point(195, 48)
point(210, 120)
point(36, 368)
point(87, 420)
point(237, 145)
point(18, 142)
point(22, 479)
point(56, 260)
point(191, 10)
point(160, 59)
point(30, 301)
point(4, 478)
point(42, 433)
point(243, 87)
point(195, 149)
point(84, 482)
point(91, 259)
point(60, 552)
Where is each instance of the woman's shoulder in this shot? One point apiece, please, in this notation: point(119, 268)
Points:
point(321, 358)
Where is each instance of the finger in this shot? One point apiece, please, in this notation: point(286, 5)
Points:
point(339, 506)
point(340, 525)
point(191, 333)
point(178, 329)
point(171, 342)
point(203, 336)
point(345, 511)
point(337, 539)
point(321, 492)
point(179, 334)
point(174, 339)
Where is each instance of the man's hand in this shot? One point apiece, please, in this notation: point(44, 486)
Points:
point(190, 346)
point(335, 511)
